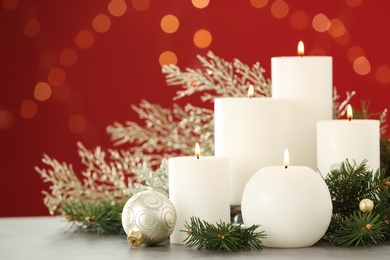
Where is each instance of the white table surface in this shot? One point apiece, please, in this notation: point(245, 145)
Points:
point(48, 238)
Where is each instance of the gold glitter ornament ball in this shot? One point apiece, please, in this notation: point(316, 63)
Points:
point(148, 217)
point(366, 205)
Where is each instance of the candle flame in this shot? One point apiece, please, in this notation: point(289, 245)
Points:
point(251, 91)
point(197, 150)
point(301, 48)
point(286, 158)
point(349, 112)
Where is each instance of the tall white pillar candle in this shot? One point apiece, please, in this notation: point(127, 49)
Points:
point(251, 133)
point(307, 83)
point(199, 188)
point(355, 140)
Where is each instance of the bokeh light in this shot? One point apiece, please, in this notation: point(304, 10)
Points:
point(202, 38)
point(117, 7)
point(7, 119)
point(167, 58)
point(382, 74)
point(68, 57)
point(169, 23)
point(337, 28)
point(77, 124)
point(321, 22)
point(10, 4)
point(42, 91)
point(279, 9)
point(354, 3)
point(344, 39)
point(28, 109)
point(354, 52)
point(84, 39)
point(101, 23)
point(259, 3)
point(48, 59)
point(140, 5)
point(200, 3)
point(362, 66)
point(32, 28)
point(299, 20)
point(56, 76)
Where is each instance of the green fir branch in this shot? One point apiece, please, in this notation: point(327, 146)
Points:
point(360, 229)
point(222, 236)
point(103, 217)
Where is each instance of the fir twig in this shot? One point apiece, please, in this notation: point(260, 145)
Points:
point(222, 236)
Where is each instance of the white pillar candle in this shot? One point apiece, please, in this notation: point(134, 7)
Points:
point(199, 188)
point(307, 83)
point(251, 133)
point(355, 140)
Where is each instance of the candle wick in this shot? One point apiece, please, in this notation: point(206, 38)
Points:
point(197, 157)
point(349, 119)
point(285, 167)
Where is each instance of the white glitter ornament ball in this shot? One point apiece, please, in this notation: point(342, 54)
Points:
point(148, 217)
point(366, 205)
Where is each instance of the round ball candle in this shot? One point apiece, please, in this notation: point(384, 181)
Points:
point(251, 133)
point(355, 140)
point(199, 187)
point(307, 83)
point(291, 203)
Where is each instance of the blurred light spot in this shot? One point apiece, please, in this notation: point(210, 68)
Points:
point(344, 39)
point(354, 52)
point(317, 52)
point(42, 91)
point(68, 57)
point(62, 92)
point(77, 124)
point(167, 58)
point(259, 3)
point(299, 20)
point(84, 39)
point(279, 9)
point(354, 3)
point(362, 66)
point(200, 3)
point(169, 23)
point(7, 119)
point(117, 7)
point(321, 23)
point(28, 109)
point(48, 59)
point(101, 23)
point(10, 4)
point(140, 5)
point(337, 28)
point(202, 38)
point(56, 76)
point(382, 74)
point(32, 28)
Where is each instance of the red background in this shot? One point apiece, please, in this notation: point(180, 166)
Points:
point(122, 67)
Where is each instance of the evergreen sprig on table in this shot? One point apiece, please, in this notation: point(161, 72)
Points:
point(222, 236)
point(348, 185)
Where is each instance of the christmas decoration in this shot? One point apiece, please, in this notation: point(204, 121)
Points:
point(148, 217)
point(222, 236)
point(292, 204)
point(366, 205)
point(91, 200)
point(349, 185)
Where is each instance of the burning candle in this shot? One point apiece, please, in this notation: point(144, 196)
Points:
point(292, 204)
point(251, 133)
point(198, 186)
point(306, 81)
point(355, 140)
